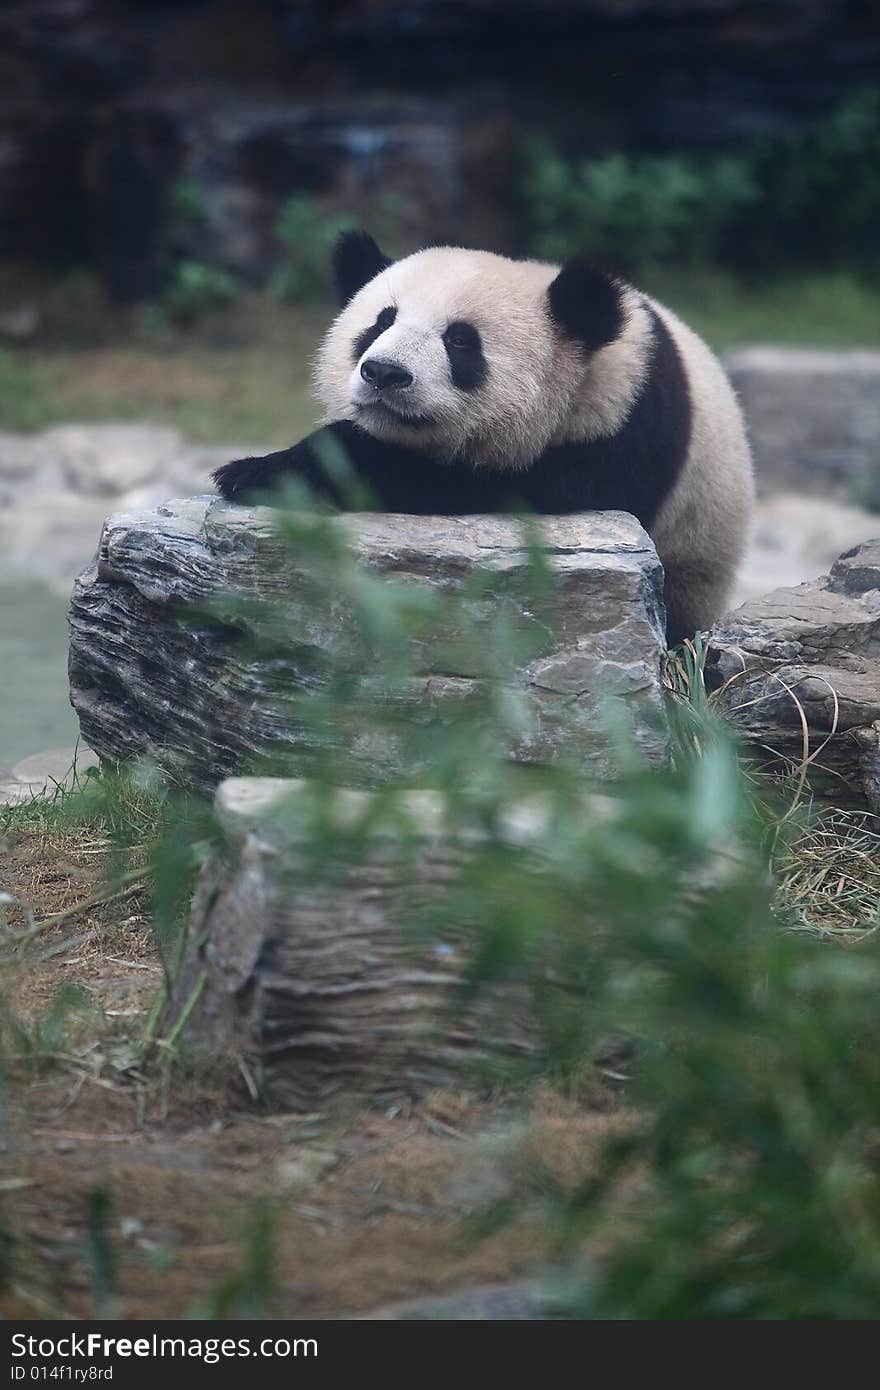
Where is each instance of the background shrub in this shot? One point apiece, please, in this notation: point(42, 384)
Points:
point(801, 200)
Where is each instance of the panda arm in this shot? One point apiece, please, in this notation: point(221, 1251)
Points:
point(256, 479)
point(391, 477)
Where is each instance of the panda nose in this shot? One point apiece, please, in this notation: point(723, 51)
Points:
point(385, 374)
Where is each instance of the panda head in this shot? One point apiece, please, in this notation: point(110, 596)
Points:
point(473, 356)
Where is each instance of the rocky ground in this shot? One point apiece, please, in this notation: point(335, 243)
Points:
point(58, 485)
point(796, 537)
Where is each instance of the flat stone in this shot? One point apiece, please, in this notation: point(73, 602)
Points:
point(55, 765)
point(108, 459)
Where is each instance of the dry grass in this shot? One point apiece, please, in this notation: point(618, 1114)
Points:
point(363, 1217)
point(68, 924)
point(826, 860)
point(828, 874)
point(368, 1207)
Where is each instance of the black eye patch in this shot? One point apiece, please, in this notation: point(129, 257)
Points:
point(369, 335)
point(464, 348)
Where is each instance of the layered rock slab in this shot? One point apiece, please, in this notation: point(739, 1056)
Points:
point(153, 675)
point(798, 672)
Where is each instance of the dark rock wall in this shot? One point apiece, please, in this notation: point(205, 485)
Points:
point(106, 104)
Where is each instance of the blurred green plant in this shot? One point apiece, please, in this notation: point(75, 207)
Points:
point(864, 491)
point(819, 194)
point(188, 206)
point(307, 235)
point(250, 1289)
point(195, 289)
point(809, 199)
point(637, 211)
point(35, 1042)
point(22, 402)
point(746, 1184)
point(101, 1255)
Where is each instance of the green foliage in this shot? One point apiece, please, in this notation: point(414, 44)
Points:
point(865, 490)
point(187, 204)
point(807, 199)
point(250, 1287)
point(195, 289)
point(307, 238)
point(820, 192)
point(38, 1039)
point(756, 1083)
point(101, 1255)
point(634, 210)
point(22, 401)
point(757, 1071)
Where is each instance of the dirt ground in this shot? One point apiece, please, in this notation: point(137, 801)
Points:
point(133, 1191)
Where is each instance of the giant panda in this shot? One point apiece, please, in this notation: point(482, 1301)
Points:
point(461, 381)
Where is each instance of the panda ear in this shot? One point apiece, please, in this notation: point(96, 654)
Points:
point(587, 303)
point(356, 260)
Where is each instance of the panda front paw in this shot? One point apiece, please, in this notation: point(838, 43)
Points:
point(244, 478)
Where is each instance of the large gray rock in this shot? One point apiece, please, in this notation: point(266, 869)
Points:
point(148, 677)
point(799, 674)
point(813, 418)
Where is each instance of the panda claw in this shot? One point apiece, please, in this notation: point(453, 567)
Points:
point(231, 479)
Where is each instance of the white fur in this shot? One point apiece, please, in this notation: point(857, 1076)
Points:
point(542, 390)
